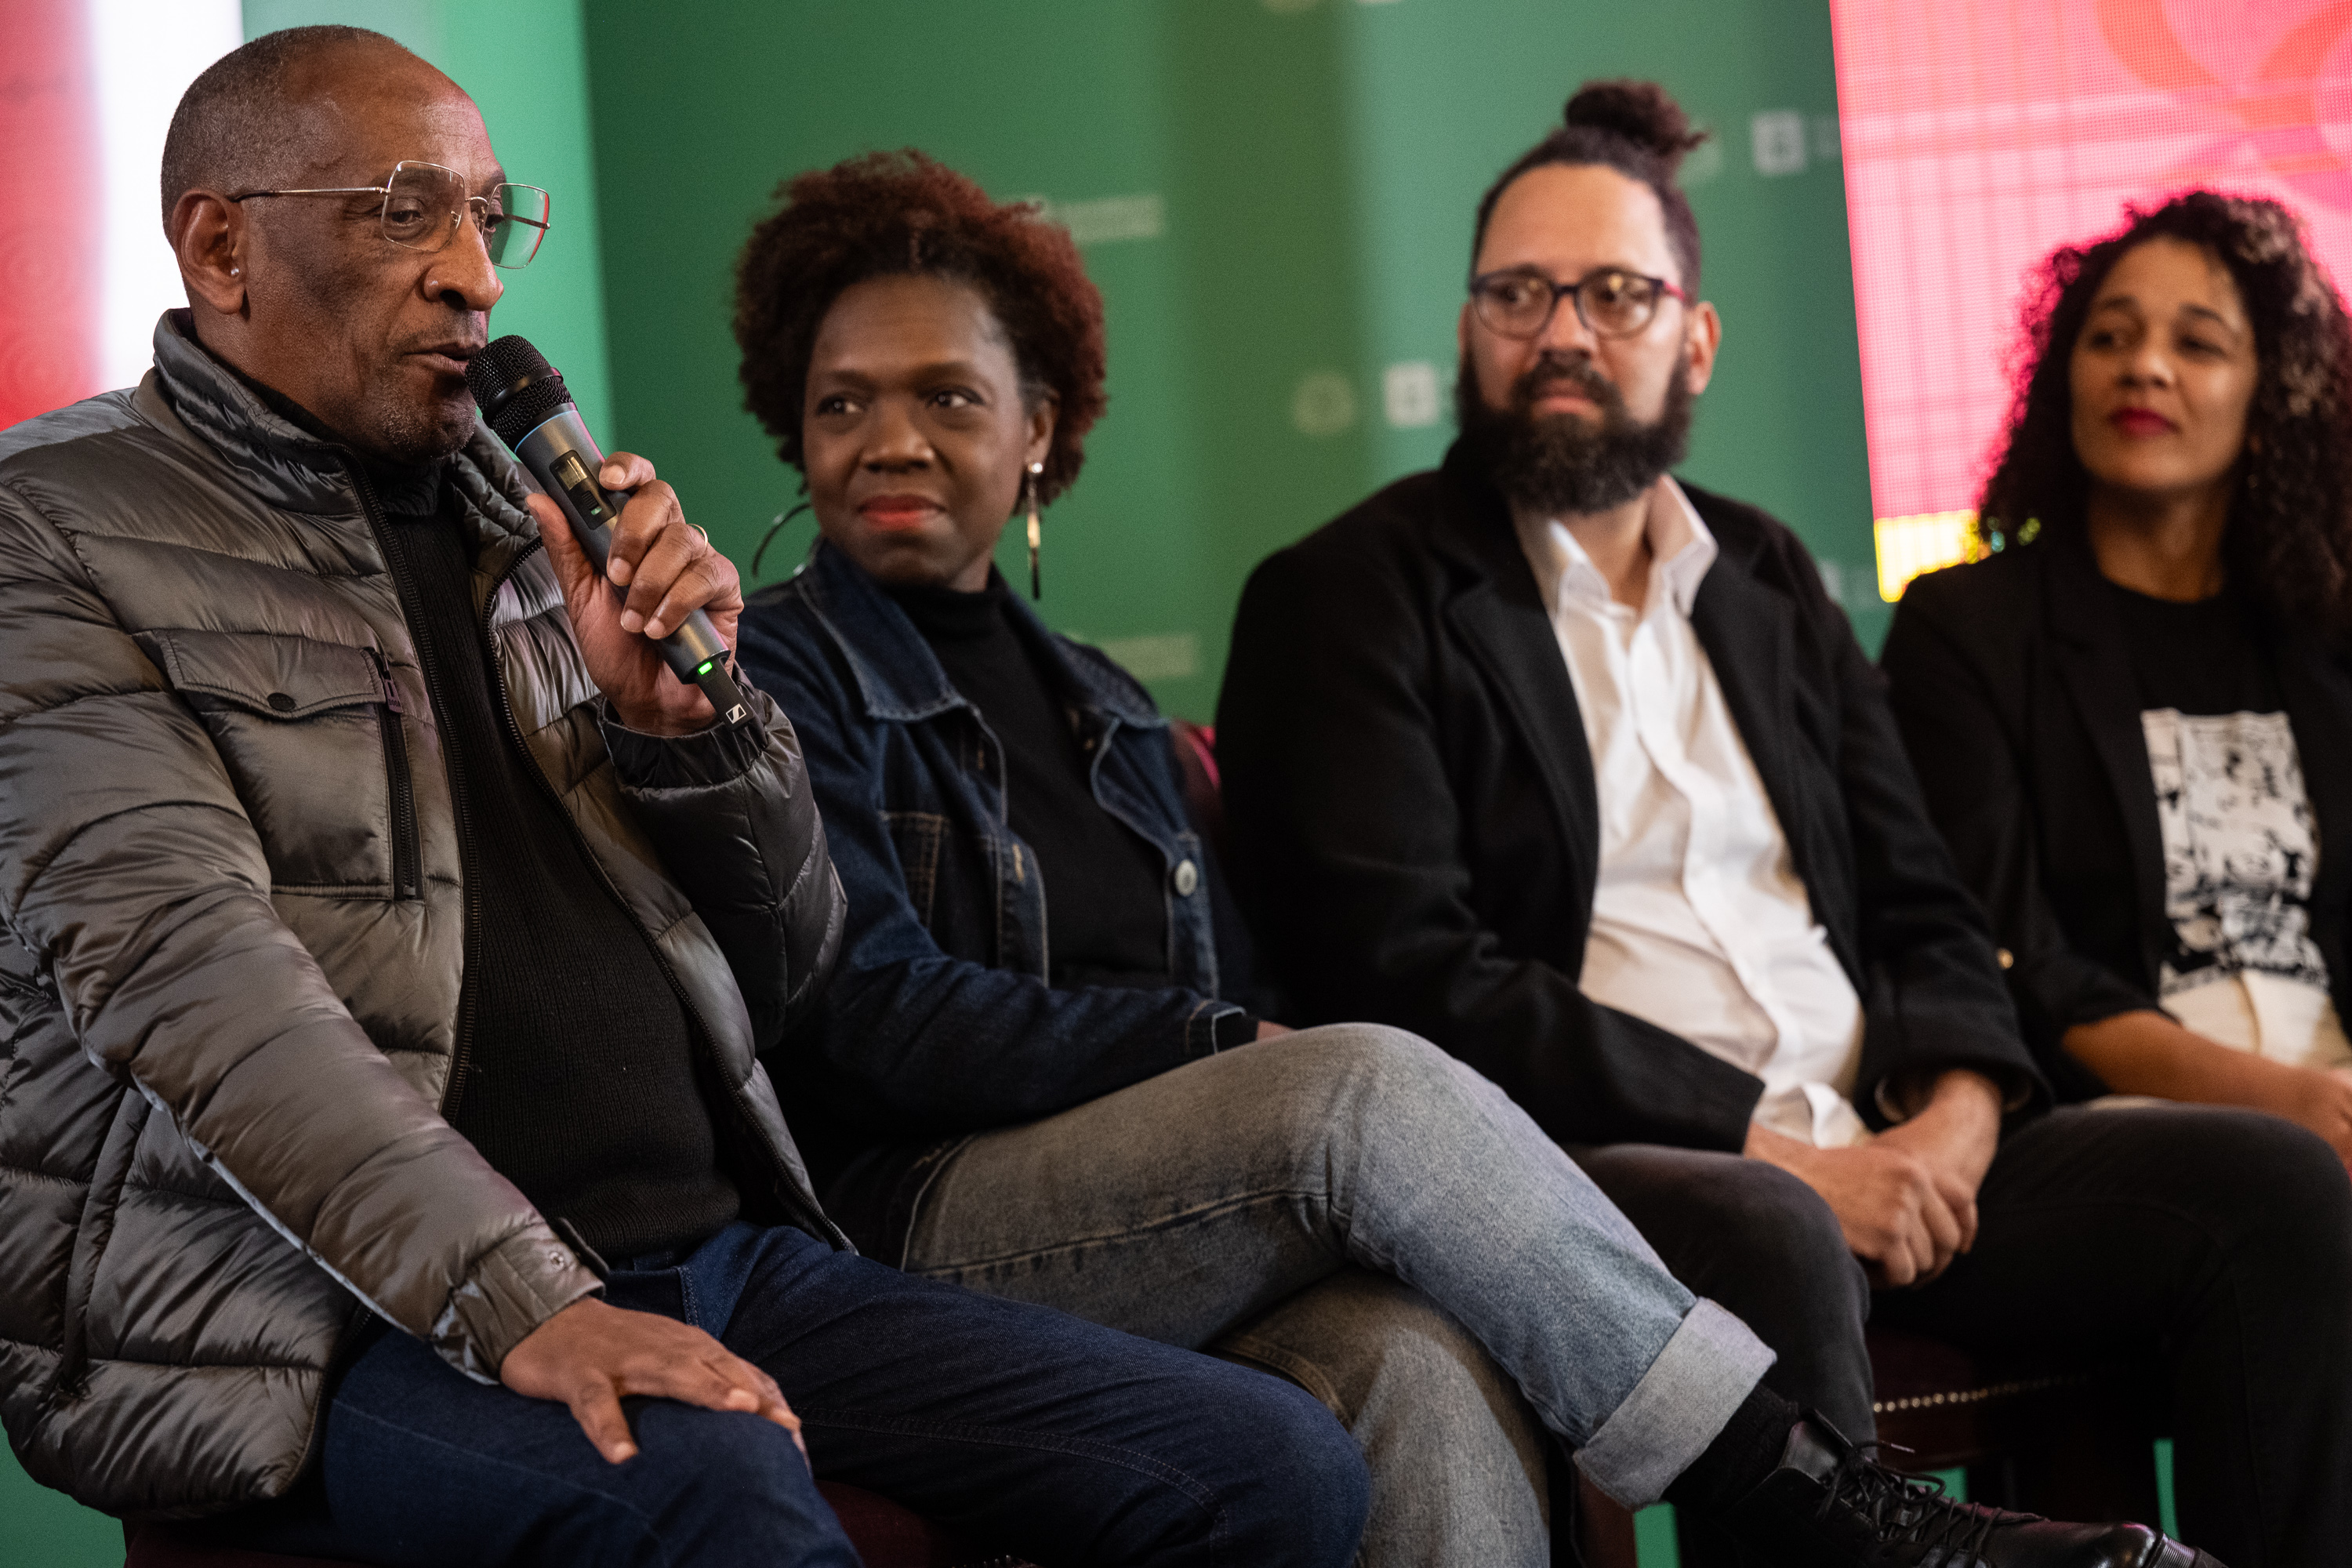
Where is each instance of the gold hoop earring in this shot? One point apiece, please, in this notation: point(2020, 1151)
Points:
point(1036, 533)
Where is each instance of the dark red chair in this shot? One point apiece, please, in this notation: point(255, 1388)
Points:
point(886, 1536)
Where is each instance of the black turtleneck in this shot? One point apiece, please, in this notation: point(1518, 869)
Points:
point(1105, 908)
point(578, 1076)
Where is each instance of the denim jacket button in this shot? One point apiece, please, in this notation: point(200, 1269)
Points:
point(1188, 876)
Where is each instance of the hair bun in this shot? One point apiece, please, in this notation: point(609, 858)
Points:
point(1641, 111)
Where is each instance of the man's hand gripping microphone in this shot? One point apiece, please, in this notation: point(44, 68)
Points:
point(524, 402)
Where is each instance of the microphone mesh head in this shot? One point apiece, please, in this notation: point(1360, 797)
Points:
point(515, 387)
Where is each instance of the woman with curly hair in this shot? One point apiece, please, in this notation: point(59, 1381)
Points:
point(1033, 1073)
point(2133, 716)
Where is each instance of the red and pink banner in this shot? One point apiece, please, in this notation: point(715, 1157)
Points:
point(1980, 136)
point(51, 236)
point(87, 92)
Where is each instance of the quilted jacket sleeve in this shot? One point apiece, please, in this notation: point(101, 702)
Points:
point(131, 868)
point(730, 811)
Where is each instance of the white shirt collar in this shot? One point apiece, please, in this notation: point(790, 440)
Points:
point(1682, 548)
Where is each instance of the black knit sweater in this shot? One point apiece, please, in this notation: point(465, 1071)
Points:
point(578, 1076)
point(1105, 910)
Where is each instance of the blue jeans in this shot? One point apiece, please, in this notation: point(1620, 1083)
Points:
point(1190, 1205)
point(1025, 1429)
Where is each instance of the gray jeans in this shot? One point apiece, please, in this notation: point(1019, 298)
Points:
point(1236, 1202)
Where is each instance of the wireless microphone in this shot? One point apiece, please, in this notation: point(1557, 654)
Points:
point(523, 400)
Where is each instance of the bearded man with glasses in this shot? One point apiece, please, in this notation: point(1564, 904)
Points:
point(386, 1167)
point(1576, 771)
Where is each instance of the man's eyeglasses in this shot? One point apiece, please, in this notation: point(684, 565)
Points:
point(423, 204)
point(1518, 302)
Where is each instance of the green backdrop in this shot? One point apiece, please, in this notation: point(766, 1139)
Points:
point(1274, 196)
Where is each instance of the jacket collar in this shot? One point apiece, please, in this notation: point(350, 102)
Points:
point(282, 463)
point(1498, 609)
point(2081, 616)
point(1749, 629)
point(299, 470)
point(1746, 626)
point(900, 679)
point(1682, 549)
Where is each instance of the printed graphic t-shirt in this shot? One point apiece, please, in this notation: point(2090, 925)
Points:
point(2240, 847)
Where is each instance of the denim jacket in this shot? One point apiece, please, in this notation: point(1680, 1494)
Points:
point(940, 1019)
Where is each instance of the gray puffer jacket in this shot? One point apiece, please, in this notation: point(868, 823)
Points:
point(229, 865)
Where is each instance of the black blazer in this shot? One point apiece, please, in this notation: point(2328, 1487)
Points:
point(1416, 838)
point(2013, 688)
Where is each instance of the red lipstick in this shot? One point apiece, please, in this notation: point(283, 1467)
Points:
point(2141, 422)
point(893, 513)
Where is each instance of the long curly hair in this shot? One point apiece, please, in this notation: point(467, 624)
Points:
point(888, 214)
point(2289, 539)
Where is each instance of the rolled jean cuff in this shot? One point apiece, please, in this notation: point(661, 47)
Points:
point(1710, 1365)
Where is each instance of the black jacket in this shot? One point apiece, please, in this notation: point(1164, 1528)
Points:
point(2013, 688)
point(1415, 833)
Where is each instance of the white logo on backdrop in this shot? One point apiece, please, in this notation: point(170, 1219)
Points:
point(1409, 394)
point(1705, 162)
point(1323, 404)
point(1777, 139)
point(1170, 657)
point(1825, 138)
point(1105, 219)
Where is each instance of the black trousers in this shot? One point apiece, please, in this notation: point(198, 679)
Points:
point(2215, 1242)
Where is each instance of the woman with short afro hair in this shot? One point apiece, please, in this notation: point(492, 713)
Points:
point(904, 213)
point(931, 360)
point(1038, 1070)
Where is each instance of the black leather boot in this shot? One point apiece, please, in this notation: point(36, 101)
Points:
point(1830, 1504)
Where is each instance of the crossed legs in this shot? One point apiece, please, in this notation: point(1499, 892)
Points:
point(1461, 1468)
point(1187, 1207)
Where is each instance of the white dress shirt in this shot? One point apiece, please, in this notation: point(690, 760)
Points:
point(1700, 924)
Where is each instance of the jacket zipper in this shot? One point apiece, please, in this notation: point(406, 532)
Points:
point(819, 1225)
point(461, 1051)
point(406, 878)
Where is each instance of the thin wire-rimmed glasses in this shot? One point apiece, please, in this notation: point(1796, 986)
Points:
point(1519, 301)
point(423, 204)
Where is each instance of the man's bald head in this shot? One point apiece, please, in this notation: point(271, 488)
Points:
point(240, 125)
point(310, 296)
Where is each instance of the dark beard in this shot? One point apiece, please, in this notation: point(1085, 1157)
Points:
point(1561, 466)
